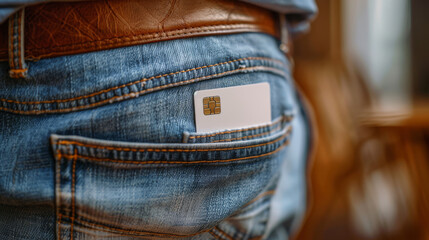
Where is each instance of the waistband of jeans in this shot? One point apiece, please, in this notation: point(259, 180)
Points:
point(59, 29)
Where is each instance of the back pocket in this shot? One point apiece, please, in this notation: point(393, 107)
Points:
point(163, 190)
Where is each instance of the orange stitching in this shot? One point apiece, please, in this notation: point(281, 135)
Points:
point(17, 71)
point(133, 83)
point(134, 95)
point(11, 34)
point(178, 162)
point(59, 193)
point(59, 226)
point(16, 74)
point(249, 136)
point(73, 186)
point(134, 232)
point(19, 39)
point(271, 192)
point(214, 234)
point(66, 142)
point(223, 233)
point(239, 130)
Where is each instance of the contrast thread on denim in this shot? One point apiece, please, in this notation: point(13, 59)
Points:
point(72, 219)
point(58, 187)
point(16, 59)
point(134, 232)
point(238, 130)
point(20, 70)
point(19, 42)
point(178, 162)
point(136, 94)
point(249, 136)
point(213, 234)
point(222, 234)
point(139, 81)
point(67, 142)
point(264, 194)
point(59, 227)
point(73, 197)
point(11, 34)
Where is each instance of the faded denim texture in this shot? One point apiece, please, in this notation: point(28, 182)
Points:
point(103, 145)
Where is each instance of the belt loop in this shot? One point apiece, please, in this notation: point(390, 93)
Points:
point(18, 68)
point(285, 40)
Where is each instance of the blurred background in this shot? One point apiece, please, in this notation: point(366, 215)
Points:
point(364, 72)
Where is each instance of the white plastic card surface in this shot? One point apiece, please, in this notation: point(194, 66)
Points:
point(232, 107)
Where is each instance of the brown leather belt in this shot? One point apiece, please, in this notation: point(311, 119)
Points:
point(57, 29)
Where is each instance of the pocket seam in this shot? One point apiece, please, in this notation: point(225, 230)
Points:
point(249, 136)
point(221, 235)
point(185, 162)
point(240, 130)
point(118, 230)
point(67, 142)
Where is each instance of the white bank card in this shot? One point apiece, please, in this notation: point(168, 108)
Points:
point(232, 107)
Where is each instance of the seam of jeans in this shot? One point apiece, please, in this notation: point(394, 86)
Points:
point(18, 68)
point(137, 94)
point(264, 194)
point(134, 232)
point(238, 130)
point(213, 234)
point(67, 142)
point(73, 195)
point(10, 49)
point(137, 82)
point(222, 234)
point(58, 188)
point(155, 35)
point(19, 42)
point(249, 136)
point(59, 226)
point(179, 162)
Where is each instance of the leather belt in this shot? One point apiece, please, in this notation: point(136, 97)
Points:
point(58, 29)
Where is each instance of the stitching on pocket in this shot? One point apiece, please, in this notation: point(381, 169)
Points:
point(178, 162)
point(267, 193)
point(249, 136)
point(58, 189)
point(134, 232)
point(238, 130)
point(137, 94)
point(73, 189)
point(213, 234)
point(65, 142)
point(221, 234)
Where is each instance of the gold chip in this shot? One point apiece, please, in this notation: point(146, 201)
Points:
point(211, 105)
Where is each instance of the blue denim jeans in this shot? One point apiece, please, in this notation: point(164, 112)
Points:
point(103, 145)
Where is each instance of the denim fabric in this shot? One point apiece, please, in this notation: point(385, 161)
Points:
point(103, 145)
